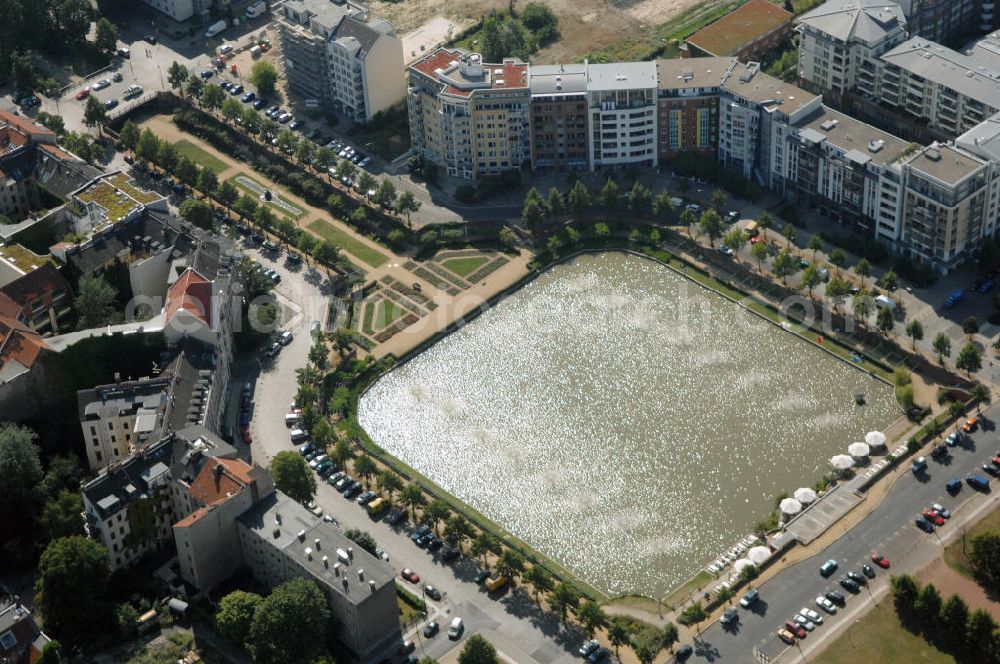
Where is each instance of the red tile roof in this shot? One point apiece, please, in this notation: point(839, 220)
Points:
point(192, 518)
point(219, 480)
point(19, 343)
point(191, 293)
point(17, 296)
point(57, 152)
point(740, 27)
point(25, 125)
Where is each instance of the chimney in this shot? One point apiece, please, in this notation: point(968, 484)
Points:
point(309, 553)
point(302, 535)
point(361, 574)
point(371, 584)
point(350, 552)
point(326, 562)
point(316, 542)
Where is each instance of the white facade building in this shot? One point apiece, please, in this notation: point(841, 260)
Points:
point(336, 54)
point(622, 100)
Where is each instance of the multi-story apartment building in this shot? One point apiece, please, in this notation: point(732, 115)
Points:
point(559, 126)
point(944, 21)
point(117, 419)
point(336, 54)
point(622, 103)
point(189, 493)
point(837, 166)
point(946, 200)
point(950, 91)
point(755, 112)
point(279, 539)
point(468, 116)
point(687, 104)
point(839, 41)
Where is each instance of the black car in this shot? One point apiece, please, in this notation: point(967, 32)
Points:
point(434, 544)
point(847, 583)
point(431, 629)
point(869, 571)
point(395, 515)
point(423, 541)
point(992, 469)
point(259, 104)
point(150, 38)
point(836, 597)
point(482, 576)
point(420, 532)
point(432, 592)
point(236, 89)
point(857, 578)
point(295, 126)
point(683, 652)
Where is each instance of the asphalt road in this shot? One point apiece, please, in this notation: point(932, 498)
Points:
point(889, 530)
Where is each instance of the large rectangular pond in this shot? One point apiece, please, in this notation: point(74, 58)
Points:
point(621, 419)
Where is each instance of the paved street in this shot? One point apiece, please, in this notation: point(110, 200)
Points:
point(889, 530)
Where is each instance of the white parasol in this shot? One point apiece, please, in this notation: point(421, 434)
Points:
point(876, 439)
point(841, 461)
point(790, 506)
point(758, 554)
point(805, 495)
point(859, 450)
point(742, 564)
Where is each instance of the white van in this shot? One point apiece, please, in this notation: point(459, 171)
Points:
point(291, 420)
point(455, 631)
point(298, 435)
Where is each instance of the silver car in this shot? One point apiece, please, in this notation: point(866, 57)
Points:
point(805, 622)
point(101, 84)
point(826, 605)
point(811, 615)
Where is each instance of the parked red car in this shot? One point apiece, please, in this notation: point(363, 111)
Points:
point(83, 94)
point(410, 575)
point(933, 516)
point(880, 560)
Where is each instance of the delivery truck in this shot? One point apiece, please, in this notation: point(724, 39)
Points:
point(215, 29)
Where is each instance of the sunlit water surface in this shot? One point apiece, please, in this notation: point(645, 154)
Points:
point(621, 419)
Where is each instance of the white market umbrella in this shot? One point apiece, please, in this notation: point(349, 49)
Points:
point(790, 506)
point(841, 461)
point(859, 450)
point(742, 564)
point(805, 495)
point(758, 554)
point(875, 439)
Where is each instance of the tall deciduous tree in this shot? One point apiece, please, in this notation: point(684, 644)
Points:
point(942, 347)
point(235, 615)
point(290, 624)
point(72, 588)
point(94, 300)
point(292, 475)
point(264, 76)
point(478, 650)
point(106, 35)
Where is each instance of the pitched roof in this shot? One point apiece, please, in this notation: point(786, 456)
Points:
point(750, 22)
point(856, 20)
point(42, 283)
point(19, 343)
point(26, 125)
point(219, 480)
point(191, 293)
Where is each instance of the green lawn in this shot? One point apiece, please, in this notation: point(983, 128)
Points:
point(463, 267)
point(388, 311)
point(954, 555)
point(199, 156)
point(277, 203)
point(879, 637)
point(328, 231)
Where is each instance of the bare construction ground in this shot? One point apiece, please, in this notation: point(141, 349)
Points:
point(586, 26)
